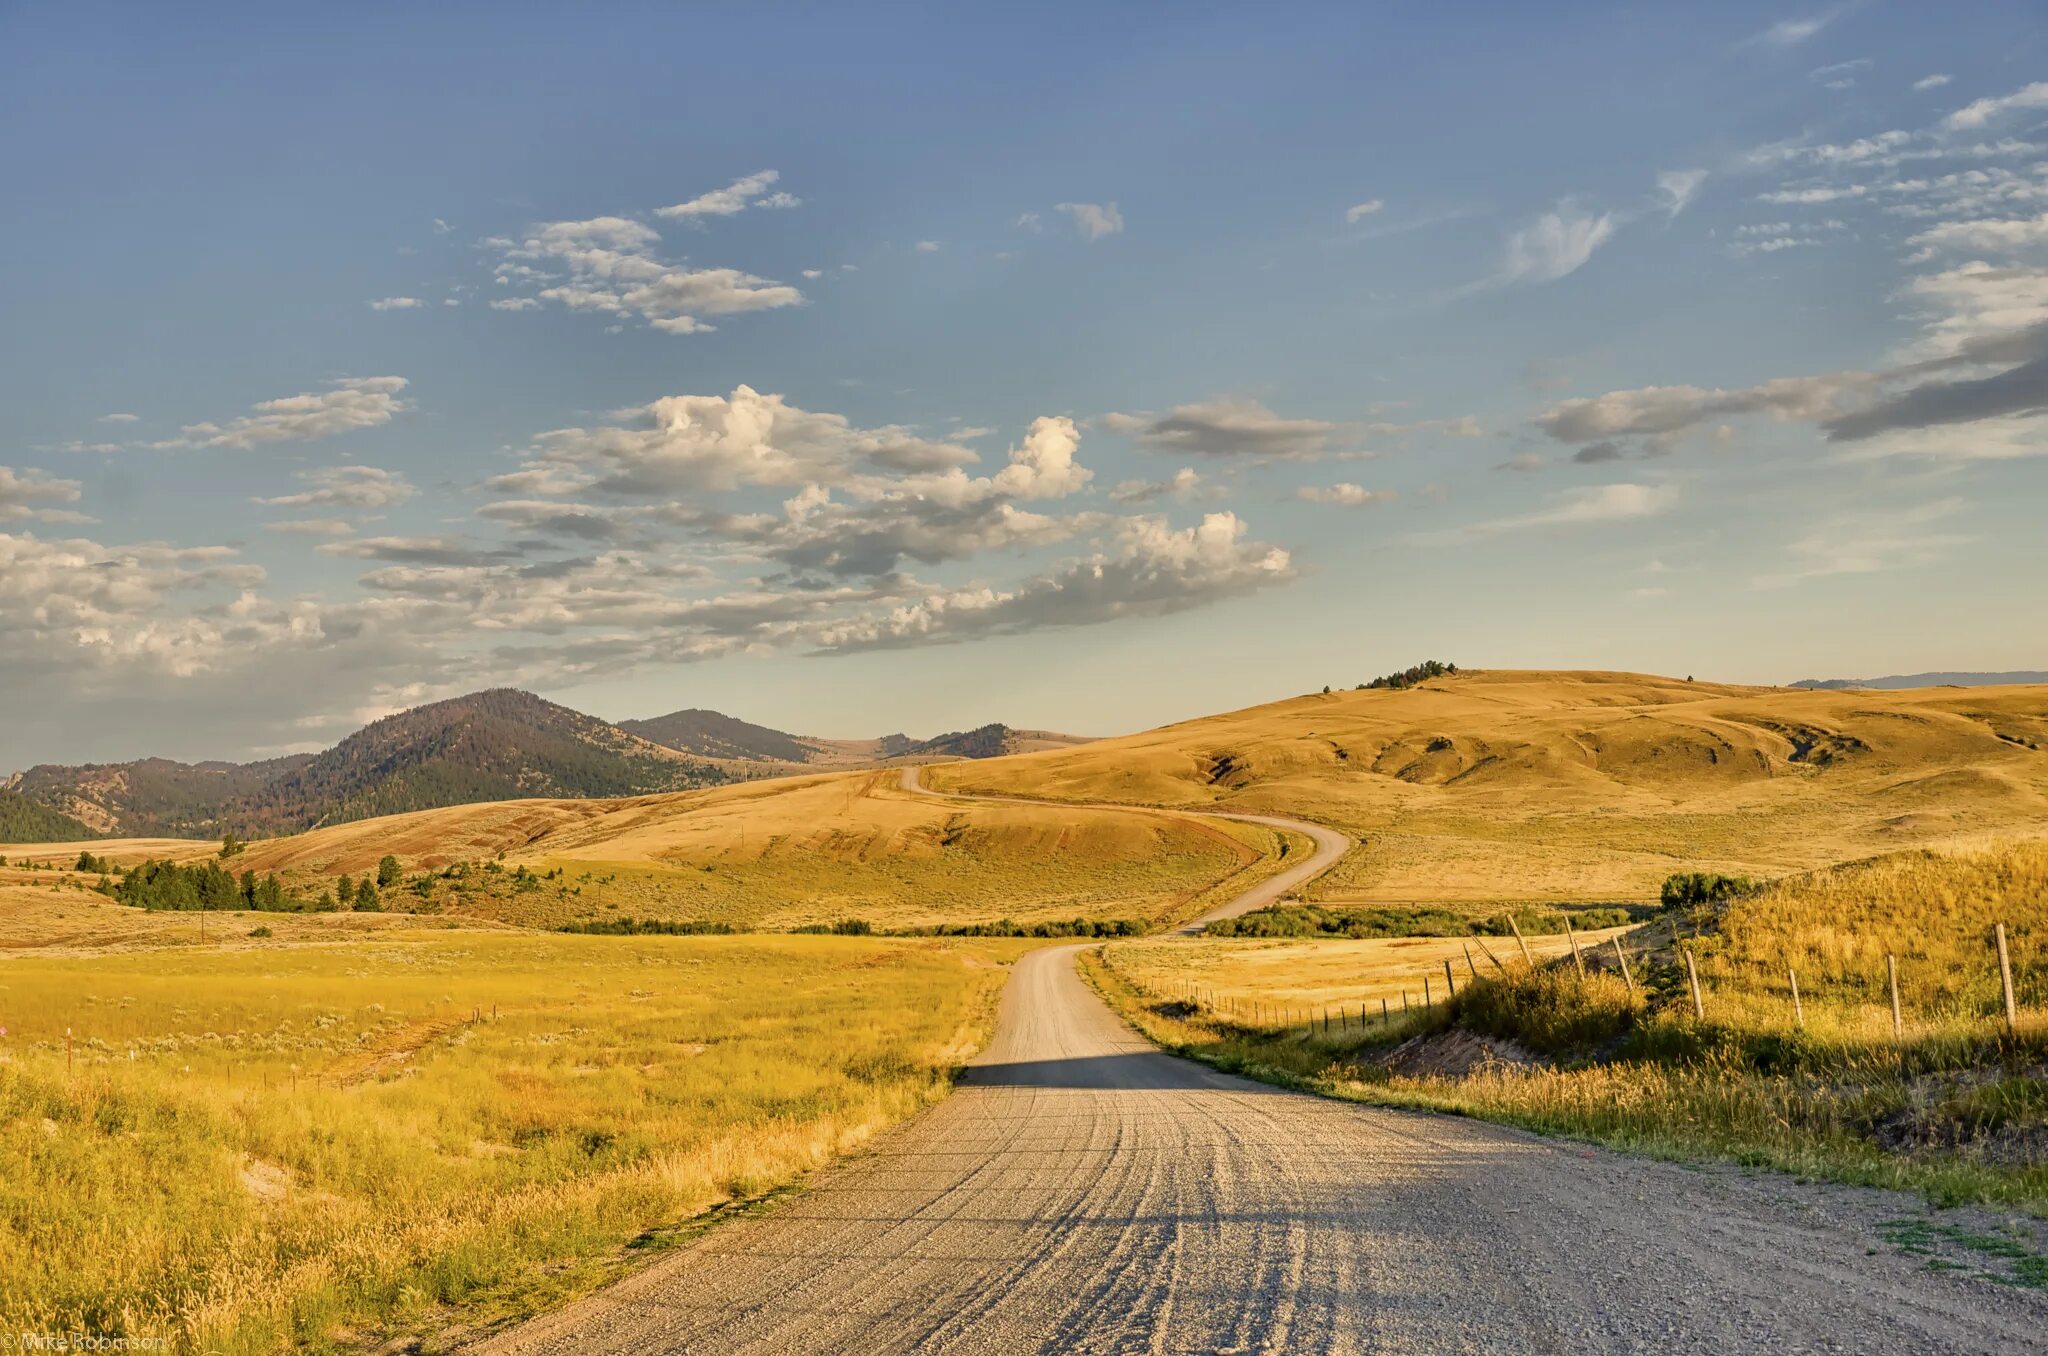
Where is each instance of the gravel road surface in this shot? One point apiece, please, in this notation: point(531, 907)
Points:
point(1082, 1192)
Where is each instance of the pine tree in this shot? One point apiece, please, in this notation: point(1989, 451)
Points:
point(387, 870)
point(366, 897)
point(344, 892)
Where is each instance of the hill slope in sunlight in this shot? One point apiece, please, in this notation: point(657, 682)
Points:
point(1501, 784)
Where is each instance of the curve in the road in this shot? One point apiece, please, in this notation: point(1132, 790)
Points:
point(1330, 845)
point(1083, 1192)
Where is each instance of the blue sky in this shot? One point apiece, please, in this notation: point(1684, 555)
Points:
point(872, 368)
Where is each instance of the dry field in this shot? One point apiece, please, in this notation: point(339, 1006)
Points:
point(1508, 785)
point(1954, 1104)
point(770, 855)
point(353, 1127)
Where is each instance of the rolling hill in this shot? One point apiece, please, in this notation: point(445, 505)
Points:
point(1567, 785)
point(709, 734)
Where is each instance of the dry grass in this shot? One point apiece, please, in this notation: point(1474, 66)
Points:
point(1505, 785)
point(287, 1145)
point(774, 855)
point(1955, 1107)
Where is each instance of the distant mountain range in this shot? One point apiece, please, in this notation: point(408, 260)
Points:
point(1899, 680)
point(497, 745)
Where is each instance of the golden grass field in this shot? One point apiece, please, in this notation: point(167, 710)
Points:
point(355, 1127)
point(772, 855)
point(1512, 785)
point(1954, 1106)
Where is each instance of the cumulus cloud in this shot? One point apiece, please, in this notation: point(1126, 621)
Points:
point(1151, 570)
point(357, 487)
point(1993, 236)
point(1043, 465)
point(1184, 486)
point(28, 494)
point(696, 443)
point(1343, 493)
point(1936, 81)
point(927, 247)
point(350, 404)
point(1230, 428)
point(1358, 212)
point(515, 304)
point(1094, 219)
point(396, 303)
point(734, 198)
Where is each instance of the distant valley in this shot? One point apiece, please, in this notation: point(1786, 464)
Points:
point(502, 744)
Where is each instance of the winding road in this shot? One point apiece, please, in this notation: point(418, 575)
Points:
point(1083, 1192)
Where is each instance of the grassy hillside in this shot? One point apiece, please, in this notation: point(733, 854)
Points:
point(770, 854)
point(1496, 785)
point(268, 1146)
point(1952, 1104)
point(154, 797)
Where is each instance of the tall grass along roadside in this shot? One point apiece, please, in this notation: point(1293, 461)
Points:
point(302, 1147)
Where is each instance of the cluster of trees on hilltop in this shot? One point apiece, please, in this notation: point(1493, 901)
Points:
point(1409, 677)
point(167, 885)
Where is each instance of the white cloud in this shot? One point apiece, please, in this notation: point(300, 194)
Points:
point(26, 494)
point(358, 487)
point(352, 403)
point(1555, 245)
point(119, 418)
point(1790, 32)
point(312, 527)
point(1677, 188)
point(1997, 237)
point(515, 304)
point(396, 304)
point(611, 270)
point(1043, 465)
point(1343, 493)
point(927, 247)
point(1358, 212)
point(1590, 504)
point(1094, 219)
point(734, 198)
point(1868, 543)
point(1984, 111)
point(1152, 570)
point(1927, 82)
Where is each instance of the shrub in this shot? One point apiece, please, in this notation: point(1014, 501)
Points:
point(1550, 1009)
point(1690, 889)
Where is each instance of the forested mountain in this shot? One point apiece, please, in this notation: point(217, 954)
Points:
point(710, 734)
point(26, 821)
point(497, 745)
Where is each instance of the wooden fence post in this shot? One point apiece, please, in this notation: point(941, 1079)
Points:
point(1699, 1007)
point(1891, 976)
point(2012, 1010)
point(1573, 938)
point(1470, 964)
point(1386, 1016)
point(1798, 1008)
point(1404, 1002)
point(1489, 953)
point(1622, 956)
point(1428, 999)
point(1450, 980)
point(1520, 941)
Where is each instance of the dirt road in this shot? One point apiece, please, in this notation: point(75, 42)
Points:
point(1083, 1192)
